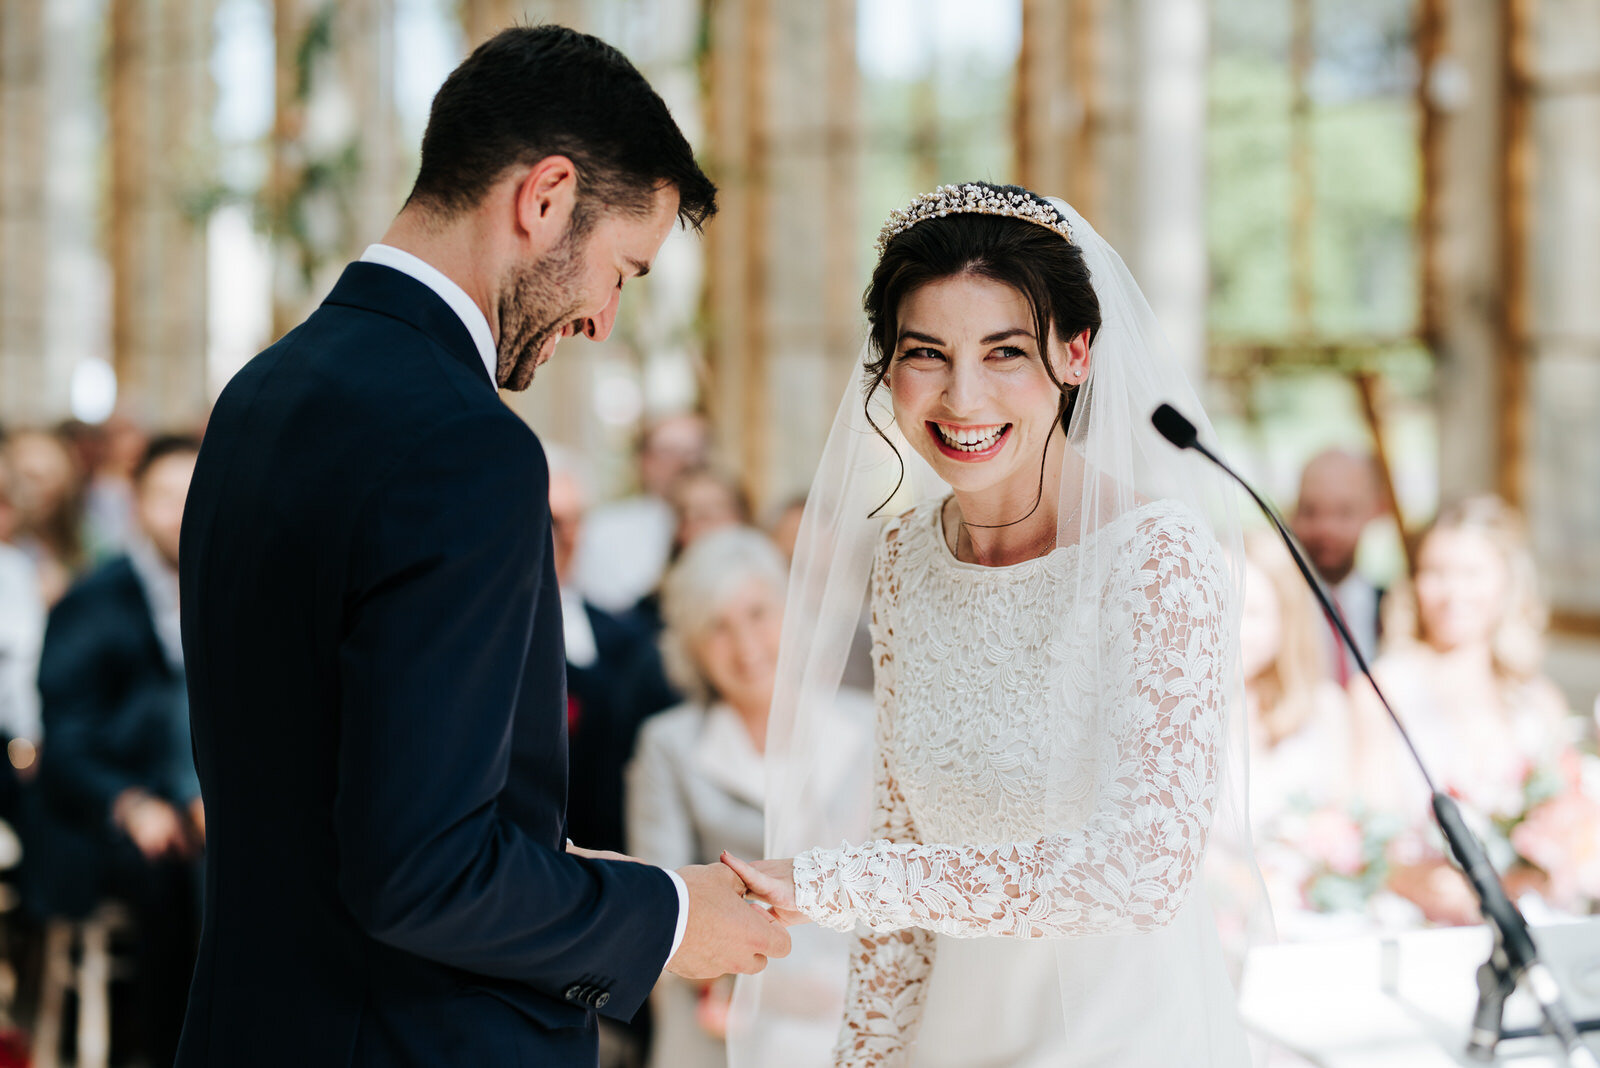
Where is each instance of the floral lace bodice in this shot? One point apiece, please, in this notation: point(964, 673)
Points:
point(1046, 763)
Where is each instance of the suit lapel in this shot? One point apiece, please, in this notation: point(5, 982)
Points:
point(377, 288)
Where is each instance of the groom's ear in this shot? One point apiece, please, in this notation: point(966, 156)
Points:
point(543, 202)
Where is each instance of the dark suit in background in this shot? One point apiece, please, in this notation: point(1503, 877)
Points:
point(373, 636)
point(115, 718)
point(608, 701)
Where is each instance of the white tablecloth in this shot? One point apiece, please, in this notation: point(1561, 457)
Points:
point(1405, 1001)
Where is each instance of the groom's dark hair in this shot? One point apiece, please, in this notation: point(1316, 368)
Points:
point(535, 91)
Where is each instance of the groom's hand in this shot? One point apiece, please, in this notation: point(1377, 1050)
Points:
point(725, 933)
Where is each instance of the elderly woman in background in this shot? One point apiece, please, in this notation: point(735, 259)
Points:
point(697, 784)
point(1464, 672)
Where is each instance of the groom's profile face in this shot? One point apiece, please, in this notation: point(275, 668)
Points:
point(575, 287)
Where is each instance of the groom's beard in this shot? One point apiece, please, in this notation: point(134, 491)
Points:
point(537, 301)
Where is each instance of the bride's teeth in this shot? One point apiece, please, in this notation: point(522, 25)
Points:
point(970, 439)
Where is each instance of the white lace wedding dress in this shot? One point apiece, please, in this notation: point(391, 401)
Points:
point(993, 930)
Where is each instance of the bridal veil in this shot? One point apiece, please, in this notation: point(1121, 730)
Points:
point(1116, 464)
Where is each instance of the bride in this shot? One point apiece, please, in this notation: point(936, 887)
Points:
point(1054, 626)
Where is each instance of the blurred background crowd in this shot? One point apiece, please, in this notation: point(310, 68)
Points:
point(1371, 229)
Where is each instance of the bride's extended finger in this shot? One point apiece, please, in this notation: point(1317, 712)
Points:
point(757, 883)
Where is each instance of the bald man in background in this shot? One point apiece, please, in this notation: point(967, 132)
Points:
point(1339, 496)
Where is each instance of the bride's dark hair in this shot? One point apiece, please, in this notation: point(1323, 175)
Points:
point(1030, 258)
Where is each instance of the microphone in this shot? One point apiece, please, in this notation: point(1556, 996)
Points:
point(1497, 908)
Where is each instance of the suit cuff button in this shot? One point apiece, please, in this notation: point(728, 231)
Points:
point(573, 993)
point(601, 999)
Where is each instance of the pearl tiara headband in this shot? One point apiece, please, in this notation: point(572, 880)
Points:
point(972, 199)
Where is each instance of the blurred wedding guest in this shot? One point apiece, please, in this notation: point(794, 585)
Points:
point(21, 625)
point(785, 526)
point(1464, 673)
point(10, 519)
point(120, 812)
point(21, 631)
point(1301, 772)
point(48, 491)
point(1339, 496)
point(1299, 720)
point(107, 454)
point(627, 544)
point(606, 653)
point(702, 500)
point(697, 784)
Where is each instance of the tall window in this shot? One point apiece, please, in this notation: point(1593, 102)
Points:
point(1314, 176)
point(1562, 82)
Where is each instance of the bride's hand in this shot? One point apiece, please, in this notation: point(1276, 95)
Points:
point(771, 882)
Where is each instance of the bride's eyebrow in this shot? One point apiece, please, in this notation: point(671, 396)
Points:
point(1002, 335)
point(991, 339)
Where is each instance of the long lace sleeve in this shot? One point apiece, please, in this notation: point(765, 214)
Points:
point(1131, 865)
point(888, 971)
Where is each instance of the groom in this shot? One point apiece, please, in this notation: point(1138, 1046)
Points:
point(372, 626)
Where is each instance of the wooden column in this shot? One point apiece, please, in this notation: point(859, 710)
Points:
point(158, 109)
point(1432, 37)
point(1469, 252)
point(284, 168)
point(1515, 205)
point(1058, 115)
point(738, 238)
point(785, 254)
point(23, 246)
point(187, 93)
point(754, 236)
point(843, 275)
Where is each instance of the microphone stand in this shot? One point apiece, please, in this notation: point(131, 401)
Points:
point(1515, 957)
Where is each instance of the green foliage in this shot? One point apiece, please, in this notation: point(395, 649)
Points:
point(1366, 171)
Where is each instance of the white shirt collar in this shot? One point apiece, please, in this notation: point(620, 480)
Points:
point(466, 309)
point(582, 651)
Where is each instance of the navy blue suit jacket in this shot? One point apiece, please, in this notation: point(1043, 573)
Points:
point(373, 641)
point(114, 719)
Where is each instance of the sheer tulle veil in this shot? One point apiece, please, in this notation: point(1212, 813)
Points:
point(1115, 466)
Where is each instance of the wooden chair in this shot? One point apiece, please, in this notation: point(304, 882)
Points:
point(89, 977)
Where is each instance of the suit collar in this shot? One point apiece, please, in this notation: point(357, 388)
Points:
point(377, 288)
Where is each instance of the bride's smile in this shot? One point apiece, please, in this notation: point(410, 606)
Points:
point(971, 392)
point(969, 444)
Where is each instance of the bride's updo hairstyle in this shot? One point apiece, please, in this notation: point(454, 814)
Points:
point(1030, 257)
